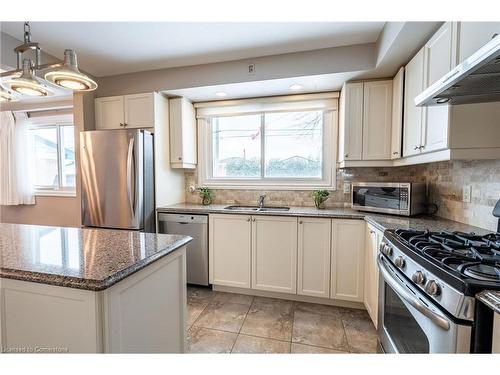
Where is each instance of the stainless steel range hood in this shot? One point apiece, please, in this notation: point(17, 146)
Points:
point(475, 80)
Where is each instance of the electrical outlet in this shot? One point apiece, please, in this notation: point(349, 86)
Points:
point(251, 69)
point(467, 194)
point(347, 187)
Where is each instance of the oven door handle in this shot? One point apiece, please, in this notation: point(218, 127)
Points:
point(401, 292)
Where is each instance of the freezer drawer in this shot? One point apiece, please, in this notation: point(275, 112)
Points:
point(195, 226)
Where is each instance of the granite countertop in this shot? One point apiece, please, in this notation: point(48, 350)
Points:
point(490, 298)
point(83, 258)
point(382, 222)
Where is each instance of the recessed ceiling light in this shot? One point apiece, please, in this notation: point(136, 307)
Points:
point(296, 87)
point(220, 94)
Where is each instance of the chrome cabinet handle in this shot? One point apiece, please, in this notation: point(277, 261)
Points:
point(372, 232)
point(423, 146)
point(346, 155)
point(180, 158)
point(395, 153)
point(253, 219)
point(416, 148)
point(437, 319)
point(121, 124)
point(300, 222)
point(248, 220)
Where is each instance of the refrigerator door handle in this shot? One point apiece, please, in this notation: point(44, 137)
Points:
point(130, 178)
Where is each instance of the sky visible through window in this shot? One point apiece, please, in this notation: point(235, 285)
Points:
point(293, 145)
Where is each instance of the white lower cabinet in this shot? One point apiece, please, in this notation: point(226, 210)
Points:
point(371, 273)
point(314, 257)
point(347, 263)
point(230, 249)
point(274, 253)
point(314, 239)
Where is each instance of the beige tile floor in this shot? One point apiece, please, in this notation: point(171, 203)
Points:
point(235, 323)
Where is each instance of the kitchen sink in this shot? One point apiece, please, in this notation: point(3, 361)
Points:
point(257, 208)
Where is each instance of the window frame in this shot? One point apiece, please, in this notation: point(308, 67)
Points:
point(205, 151)
point(63, 191)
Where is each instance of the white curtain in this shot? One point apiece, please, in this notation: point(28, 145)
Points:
point(16, 184)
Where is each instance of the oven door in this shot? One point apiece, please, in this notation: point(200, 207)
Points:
point(410, 323)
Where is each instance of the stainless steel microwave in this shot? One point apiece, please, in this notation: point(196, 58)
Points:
point(389, 197)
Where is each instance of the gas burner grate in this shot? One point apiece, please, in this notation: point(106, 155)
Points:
point(471, 255)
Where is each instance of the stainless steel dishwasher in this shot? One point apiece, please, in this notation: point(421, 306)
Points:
point(195, 226)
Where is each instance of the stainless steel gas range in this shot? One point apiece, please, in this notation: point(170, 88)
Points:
point(428, 281)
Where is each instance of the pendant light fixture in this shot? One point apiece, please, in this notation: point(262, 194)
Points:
point(24, 80)
point(69, 76)
point(27, 84)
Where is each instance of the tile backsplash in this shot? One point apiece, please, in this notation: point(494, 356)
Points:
point(445, 181)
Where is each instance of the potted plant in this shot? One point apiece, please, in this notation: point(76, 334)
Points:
point(320, 196)
point(206, 195)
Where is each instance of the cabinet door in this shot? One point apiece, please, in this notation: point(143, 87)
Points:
point(412, 124)
point(373, 238)
point(274, 253)
point(230, 250)
point(439, 59)
point(313, 277)
point(347, 259)
point(397, 113)
point(377, 118)
point(351, 122)
point(139, 110)
point(183, 134)
point(109, 112)
point(474, 35)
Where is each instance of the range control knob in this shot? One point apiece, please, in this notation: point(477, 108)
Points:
point(432, 288)
point(418, 277)
point(382, 245)
point(387, 250)
point(399, 262)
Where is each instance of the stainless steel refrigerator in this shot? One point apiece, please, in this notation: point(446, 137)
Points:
point(117, 168)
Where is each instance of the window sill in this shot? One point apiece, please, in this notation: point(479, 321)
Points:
point(270, 186)
point(56, 193)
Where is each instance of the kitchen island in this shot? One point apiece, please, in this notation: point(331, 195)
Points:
point(91, 290)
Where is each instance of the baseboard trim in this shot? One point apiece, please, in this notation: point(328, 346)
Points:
point(292, 297)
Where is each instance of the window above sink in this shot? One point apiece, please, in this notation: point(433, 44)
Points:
point(271, 143)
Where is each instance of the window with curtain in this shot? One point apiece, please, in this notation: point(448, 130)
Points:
point(264, 143)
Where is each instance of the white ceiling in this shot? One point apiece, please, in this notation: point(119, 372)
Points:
point(316, 83)
point(110, 48)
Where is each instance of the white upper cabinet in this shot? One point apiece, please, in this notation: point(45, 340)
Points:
point(274, 253)
point(413, 116)
point(139, 110)
point(444, 132)
point(128, 111)
point(439, 58)
point(377, 120)
point(182, 134)
point(397, 113)
point(365, 122)
point(109, 112)
point(313, 276)
point(351, 122)
point(474, 35)
point(347, 260)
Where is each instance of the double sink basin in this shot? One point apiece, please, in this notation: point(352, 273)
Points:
point(257, 208)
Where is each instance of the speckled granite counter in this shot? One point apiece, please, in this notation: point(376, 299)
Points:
point(490, 298)
point(83, 258)
point(382, 222)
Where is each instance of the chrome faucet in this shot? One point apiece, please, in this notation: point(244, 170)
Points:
point(261, 200)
